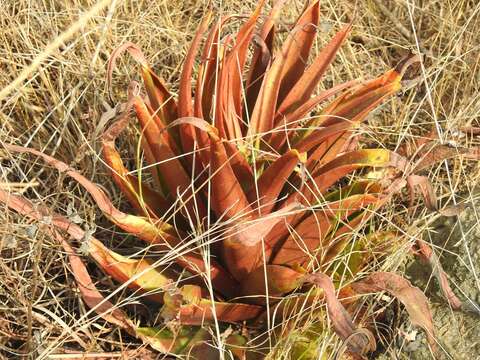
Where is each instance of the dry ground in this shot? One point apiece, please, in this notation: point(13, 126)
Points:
point(59, 49)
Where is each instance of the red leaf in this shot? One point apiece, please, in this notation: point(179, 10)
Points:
point(230, 85)
point(411, 297)
point(307, 238)
point(280, 280)
point(286, 124)
point(171, 170)
point(264, 111)
point(261, 58)
point(189, 308)
point(427, 255)
point(264, 195)
point(144, 199)
point(227, 196)
point(304, 87)
point(242, 246)
point(304, 33)
point(92, 297)
point(359, 342)
point(160, 98)
point(185, 105)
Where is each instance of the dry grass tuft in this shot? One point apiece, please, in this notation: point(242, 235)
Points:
point(58, 104)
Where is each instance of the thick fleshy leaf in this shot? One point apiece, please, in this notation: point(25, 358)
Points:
point(352, 107)
point(319, 136)
point(265, 193)
point(360, 101)
point(304, 87)
point(261, 57)
point(189, 308)
point(92, 297)
point(160, 98)
point(307, 239)
point(286, 127)
point(138, 274)
point(227, 196)
point(240, 166)
point(230, 88)
point(156, 233)
point(411, 297)
point(262, 119)
point(344, 164)
point(354, 114)
point(359, 342)
point(143, 198)
point(280, 280)
point(150, 160)
point(241, 248)
point(171, 169)
point(252, 231)
point(304, 33)
point(185, 103)
point(207, 72)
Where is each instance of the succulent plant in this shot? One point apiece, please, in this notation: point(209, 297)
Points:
point(249, 201)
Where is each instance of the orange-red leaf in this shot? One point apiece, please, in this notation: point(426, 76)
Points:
point(307, 239)
point(359, 342)
point(264, 195)
point(160, 98)
point(158, 232)
point(233, 69)
point(304, 87)
point(264, 111)
point(280, 280)
point(286, 124)
point(227, 196)
point(261, 57)
point(189, 308)
point(144, 199)
point(171, 170)
point(304, 33)
point(138, 274)
point(348, 162)
point(412, 298)
point(185, 104)
point(242, 246)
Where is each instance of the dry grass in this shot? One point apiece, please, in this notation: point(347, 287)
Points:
point(58, 103)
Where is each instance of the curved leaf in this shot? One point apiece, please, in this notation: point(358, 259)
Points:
point(280, 280)
point(307, 238)
point(357, 342)
point(171, 170)
point(92, 297)
point(189, 308)
point(264, 195)
point(412, 298)
point(304, 87)
point(156, 233)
